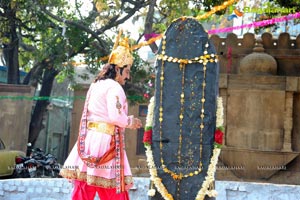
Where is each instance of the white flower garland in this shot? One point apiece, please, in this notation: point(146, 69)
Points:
point(207, 185)
point(149, 118)
point(219, 114)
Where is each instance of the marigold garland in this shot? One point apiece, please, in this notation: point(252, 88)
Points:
point(216, 9)
point(146, 43)
point(207, 185)
point(212, 11)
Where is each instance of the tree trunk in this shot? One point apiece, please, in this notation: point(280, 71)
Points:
point(11, 50)
point(36, 123)
point(149, 23)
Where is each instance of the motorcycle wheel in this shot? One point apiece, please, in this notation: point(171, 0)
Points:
point(40, 172)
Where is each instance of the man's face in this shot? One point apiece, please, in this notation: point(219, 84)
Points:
point(124, 76)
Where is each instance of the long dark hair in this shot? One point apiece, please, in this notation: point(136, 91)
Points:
point(108, 71)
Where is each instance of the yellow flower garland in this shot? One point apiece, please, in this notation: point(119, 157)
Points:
point(207, 187)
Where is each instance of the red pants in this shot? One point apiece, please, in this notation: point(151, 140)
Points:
point(83, 191)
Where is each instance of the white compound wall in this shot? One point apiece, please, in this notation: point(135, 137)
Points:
point(60, 189)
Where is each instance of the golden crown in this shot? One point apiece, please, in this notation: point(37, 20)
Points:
point(121, 54)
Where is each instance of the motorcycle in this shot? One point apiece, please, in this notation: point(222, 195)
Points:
point(20, 168)
point(55, 166)
point(41, 165)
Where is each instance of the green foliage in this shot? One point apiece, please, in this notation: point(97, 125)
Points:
point(137, 88)
point(172, 9)
point(288, 4)
point(67, 74)
point(39, 36)
point(209, 4)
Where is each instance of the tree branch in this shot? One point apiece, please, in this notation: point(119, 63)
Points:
point(114, 22)
point(73, 23)
point(149, 23)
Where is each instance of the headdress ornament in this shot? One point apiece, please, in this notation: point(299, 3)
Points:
point(121, 54)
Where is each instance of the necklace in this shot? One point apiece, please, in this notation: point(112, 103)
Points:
point(204, 59)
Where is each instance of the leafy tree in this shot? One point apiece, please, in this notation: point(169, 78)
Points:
point(41, 36)
point(289, 4)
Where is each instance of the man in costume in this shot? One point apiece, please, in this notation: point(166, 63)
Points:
point(98, 161)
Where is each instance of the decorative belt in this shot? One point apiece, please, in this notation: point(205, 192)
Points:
point(101, 127)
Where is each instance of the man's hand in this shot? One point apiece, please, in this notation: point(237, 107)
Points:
point(135, 124)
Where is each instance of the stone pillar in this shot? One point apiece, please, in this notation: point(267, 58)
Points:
point(223, 85)
point(186, 88)
point(288, 122)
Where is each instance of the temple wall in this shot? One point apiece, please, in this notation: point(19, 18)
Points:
point(284, 49)
point(61, 189)
point(261, 111)
point(15, 115)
